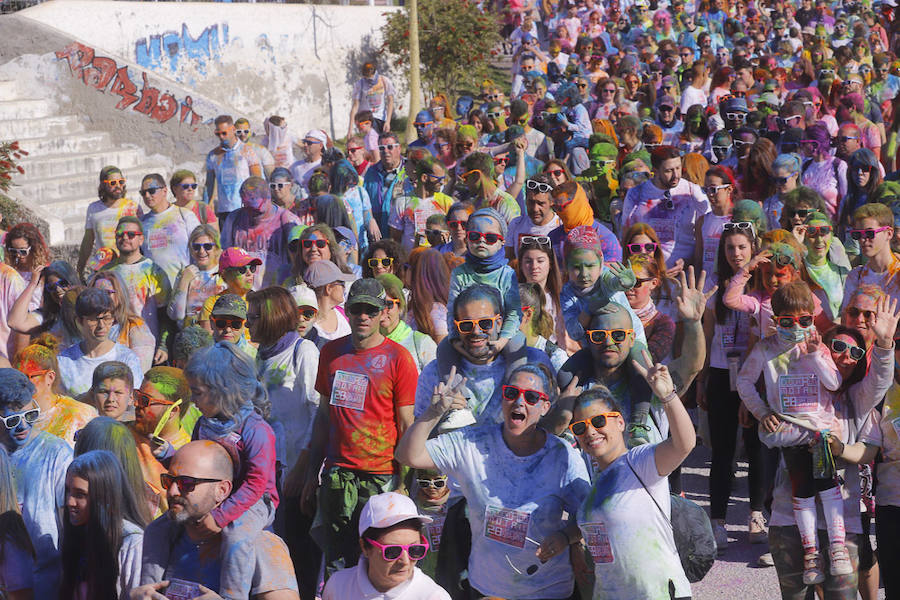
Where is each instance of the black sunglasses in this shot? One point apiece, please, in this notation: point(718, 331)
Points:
point(186, 484)
point(208, 246)
point(242, 270)
point(317, 242)
point(360, 308)
point(150, 191)
point(232, 322)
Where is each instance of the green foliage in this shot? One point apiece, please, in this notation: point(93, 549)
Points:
point(456, 43)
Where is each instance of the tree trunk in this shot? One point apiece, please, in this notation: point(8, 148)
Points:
point(415, 85)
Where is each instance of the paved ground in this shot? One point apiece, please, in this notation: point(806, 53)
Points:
point(736, 574)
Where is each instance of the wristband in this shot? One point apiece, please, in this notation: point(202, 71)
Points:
point(671, 396)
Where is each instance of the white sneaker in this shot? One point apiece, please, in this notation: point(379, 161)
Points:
point(840, 560)
point(758, 532)
point(721, 536)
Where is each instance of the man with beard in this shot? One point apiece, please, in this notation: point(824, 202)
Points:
point(103, 215)
point(409, 213)
point(667, 118)
point(370, 382)
point(261, 228)
point(227, 166)
point(669, 204)
point(176, 546)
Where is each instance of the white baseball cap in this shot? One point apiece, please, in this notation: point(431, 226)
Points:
point(317, 135)
point(304, 296)
point(387, 509)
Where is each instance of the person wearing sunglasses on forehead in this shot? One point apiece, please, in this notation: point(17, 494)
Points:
point(245, 134)
point(394, 539)
point(409, 213)
point(237, 270)
point(103, 215)
point(167, 227)
point(503, 563)
point(261, 219)
point(539, 218)
point(227, 166)
point(800, 378)
point(39, 460)
point(148, 288)
point(183, 185)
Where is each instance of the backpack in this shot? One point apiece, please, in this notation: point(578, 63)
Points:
point(692, 531)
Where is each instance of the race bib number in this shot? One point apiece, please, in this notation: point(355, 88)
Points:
point(597, 541)
point(799, 393)
point(349, 390)
point(896, 425)
point(158, 239)
point(506, 525)
point(728, 340)
point(420, 215)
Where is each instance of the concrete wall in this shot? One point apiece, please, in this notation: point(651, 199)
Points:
point(295, 60)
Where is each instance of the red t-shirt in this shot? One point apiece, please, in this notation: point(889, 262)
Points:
point(364, 389)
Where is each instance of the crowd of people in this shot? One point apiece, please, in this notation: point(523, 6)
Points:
point(470, 365)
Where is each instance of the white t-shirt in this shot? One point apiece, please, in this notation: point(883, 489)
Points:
point(77, 370)
point(690, 97)
point(102, 220)
point(354, 584)
point(631, 542)
point(513, 501)
point(523, 225)
point(166, 238)
point(343, 328)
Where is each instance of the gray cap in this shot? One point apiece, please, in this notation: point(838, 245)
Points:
point(666, 101)
point(323, 272)
point(230, 305)
point(367, 291)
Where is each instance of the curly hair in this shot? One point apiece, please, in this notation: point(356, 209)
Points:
point(40, 252)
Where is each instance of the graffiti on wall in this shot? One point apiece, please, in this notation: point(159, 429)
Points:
point(104, 74)
point(172, 49)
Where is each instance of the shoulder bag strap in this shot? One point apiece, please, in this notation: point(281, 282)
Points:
point(641, 481)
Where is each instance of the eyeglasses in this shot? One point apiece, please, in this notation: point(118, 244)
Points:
point(457, 224)
point(437, 483)
point(788, 321)
point(188, 186)
point(540, 186)
point(740, 143)
point(868, 234)
point(423, 125)
point(20, 252)
point(365, 123)
point(106, 320)
point(228, 322)
point(513, 393)
point(29, 416)
point(150, 191)
point(207, 246)
point(185, 483)
point(318, 243)
point(114, 182)
point(819, 231)
point(712, 190)
point(279, 185)
point(128, 234)
point(494, 115)
point(486, 325)
point(666, 109)
point(854, 313)
point(739, 225)
point(243, 269)
point(840, 346)
point(361, 308)
point(143, 400)
point(381, 262)
point(608, 90)
point(466, 146)
point(489, 238)
point(434, 233)
point(535, 240)
point(645, 248)
point(599, 336)
point(392, 552)
point(308, 313)
point(579, 428)
point(387, 147)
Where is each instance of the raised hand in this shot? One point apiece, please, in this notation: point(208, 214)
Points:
point(691, 301)
point(657, 376)
point(762, 257)
point(447, 396)
point(813, 341)
point(884, 325)
point(623, 273)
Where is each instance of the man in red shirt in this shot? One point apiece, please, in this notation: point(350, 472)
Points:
point(368, 386)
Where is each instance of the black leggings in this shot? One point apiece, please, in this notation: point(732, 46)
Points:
point(723, 407)
point(887, 533)
point(799, 463)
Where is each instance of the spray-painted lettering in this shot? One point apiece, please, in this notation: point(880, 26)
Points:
point(172, 49)
point(104, 73)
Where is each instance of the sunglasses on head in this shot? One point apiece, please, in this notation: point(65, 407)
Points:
point(599, 336)
point(391, 552)
point(381, 262)
point(29, 416)
point(361, 308)
point(437, 483)
point(230, 322)
point(840, 346)
point(207, 246)
point(188, 186)
point(114, 182)
point(489, 238)
point(185, 483)
point(20, 252)
point(788, 321)
point(128, 234)
point(597, 422)
point(535, 240)
point(854, 313)
point(243, 269)
point(318, 243)
point(644, 248)
point(540, 186)
point(486, 325)
point(867, 234)
point(532, 397)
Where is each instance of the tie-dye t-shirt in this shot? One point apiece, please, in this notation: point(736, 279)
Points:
point(364, 389)
point(409, 213)
point(265, 239)
point(187, 305)
point(623, 529)
point(149, 289)
point(166, 238)
point(102, 220)
point(65, 417)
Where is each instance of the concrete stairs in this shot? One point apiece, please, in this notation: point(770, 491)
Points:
point(64, 160)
